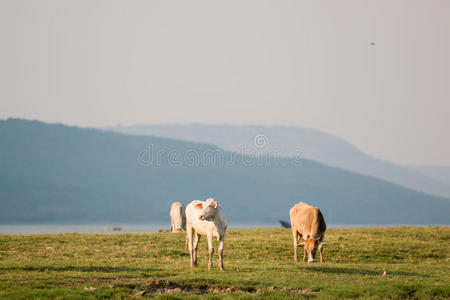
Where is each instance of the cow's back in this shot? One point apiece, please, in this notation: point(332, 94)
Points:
point(176, 210)
point(202, 227)
point(307, 220)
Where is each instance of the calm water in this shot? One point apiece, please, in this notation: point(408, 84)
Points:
point(80, 228)
point(127, 228)
point(97, 228)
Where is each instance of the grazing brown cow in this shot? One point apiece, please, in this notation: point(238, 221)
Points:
point(307, 222)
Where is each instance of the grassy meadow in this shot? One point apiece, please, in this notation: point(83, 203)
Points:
point(370, 263)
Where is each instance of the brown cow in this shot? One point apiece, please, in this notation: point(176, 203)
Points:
point(307, 222)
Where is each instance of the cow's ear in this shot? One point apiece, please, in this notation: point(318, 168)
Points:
point(213, 204)
point(200, 205)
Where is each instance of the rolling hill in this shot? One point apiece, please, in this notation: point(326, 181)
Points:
point(439, 173)
point(57, 173)
point(312, 144)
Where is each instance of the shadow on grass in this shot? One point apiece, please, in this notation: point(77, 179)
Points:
point(333, 270)
point(102, 269)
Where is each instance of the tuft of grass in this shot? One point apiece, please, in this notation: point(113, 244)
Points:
point(258, 265)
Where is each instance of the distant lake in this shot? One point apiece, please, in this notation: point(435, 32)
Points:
point(98, 228)
point(134, 228)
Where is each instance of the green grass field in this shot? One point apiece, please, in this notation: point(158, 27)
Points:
point(258, 265)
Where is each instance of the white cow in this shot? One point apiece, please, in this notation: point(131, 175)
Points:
point(177, 217)
point(205, 218)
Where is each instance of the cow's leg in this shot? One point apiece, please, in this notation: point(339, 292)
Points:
point(210, 250)
point(195, 246)
point(190, 246)
point(304, 249)
point(321, 252)
point(294, 237)
point(221, 241)
point(304, 253)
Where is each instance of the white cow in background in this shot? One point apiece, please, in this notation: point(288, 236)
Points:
point(205, 218)
point(177, 217)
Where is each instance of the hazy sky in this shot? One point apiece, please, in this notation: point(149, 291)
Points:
point(302, 63)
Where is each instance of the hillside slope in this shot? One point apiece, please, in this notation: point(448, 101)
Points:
point(56, 173)
point(439, 173)
point(312, 144)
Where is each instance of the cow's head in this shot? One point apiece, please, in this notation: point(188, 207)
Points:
point(179, 229)
point(209, 209)
point(311, 245)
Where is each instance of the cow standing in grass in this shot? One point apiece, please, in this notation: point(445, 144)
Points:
point(205, 218)
point(307, 222)
point(177, 217)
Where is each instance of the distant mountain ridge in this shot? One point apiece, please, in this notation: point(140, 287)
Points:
point(311, 143)
point(57, 173)
point(439, 173)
